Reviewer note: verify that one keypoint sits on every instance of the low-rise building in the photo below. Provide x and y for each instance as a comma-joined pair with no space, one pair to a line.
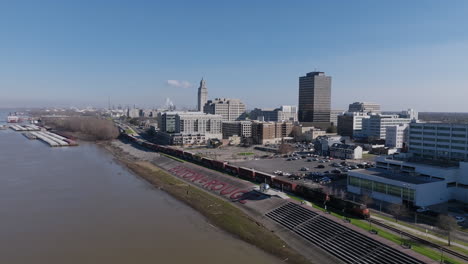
242,129
350,124
312,133
397,136
188,128
229,109
322,144
376,126
334,116
345,151
283,113
134,113
441,141
271,132
412,181
364,107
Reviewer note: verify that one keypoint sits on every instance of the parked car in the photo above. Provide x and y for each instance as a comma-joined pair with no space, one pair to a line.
337,171
460,219
320,166
325,180
422,209
304,169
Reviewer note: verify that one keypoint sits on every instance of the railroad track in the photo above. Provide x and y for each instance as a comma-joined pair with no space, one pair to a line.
340,241
421,240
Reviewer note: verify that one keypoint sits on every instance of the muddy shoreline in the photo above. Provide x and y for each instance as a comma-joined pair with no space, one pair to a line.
219,212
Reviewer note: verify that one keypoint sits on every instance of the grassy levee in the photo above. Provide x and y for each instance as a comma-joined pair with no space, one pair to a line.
218,211
415,246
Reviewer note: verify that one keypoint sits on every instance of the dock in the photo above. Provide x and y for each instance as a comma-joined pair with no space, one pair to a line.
51,139
29,135
35,132
25,127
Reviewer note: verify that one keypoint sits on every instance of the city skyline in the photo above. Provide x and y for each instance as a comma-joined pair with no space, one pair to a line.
82,54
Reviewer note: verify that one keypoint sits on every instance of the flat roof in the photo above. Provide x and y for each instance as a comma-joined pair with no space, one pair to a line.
426,162
396,176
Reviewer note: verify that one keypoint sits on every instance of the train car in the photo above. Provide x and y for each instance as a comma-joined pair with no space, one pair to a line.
179,153
162,149
146,144
284,185
197,158
262,177
218,165
231,169
357,209
246,173
313,194
188,155
207,162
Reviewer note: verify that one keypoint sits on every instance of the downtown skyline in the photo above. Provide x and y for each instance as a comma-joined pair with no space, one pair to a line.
79,54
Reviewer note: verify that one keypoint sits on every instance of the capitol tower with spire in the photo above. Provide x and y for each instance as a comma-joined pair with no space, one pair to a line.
202,95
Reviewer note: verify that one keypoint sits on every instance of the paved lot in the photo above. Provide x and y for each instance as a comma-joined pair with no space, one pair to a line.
230,153
294,167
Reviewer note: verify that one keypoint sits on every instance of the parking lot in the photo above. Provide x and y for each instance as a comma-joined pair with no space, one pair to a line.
307,168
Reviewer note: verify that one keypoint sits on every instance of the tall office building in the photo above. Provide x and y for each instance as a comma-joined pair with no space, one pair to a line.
314,98
202,95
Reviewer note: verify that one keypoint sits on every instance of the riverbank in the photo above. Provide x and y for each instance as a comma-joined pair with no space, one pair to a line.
218,211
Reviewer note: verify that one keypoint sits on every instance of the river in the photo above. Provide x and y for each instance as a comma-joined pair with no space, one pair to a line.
77,205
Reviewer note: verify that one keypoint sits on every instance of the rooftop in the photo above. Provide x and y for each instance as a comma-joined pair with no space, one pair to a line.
396,176
425,162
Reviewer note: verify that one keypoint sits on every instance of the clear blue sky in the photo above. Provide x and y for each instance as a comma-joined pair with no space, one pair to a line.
398,53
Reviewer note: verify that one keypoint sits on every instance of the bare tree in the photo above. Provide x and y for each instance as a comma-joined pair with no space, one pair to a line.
397,210
285,148
367,200
94,128
447,223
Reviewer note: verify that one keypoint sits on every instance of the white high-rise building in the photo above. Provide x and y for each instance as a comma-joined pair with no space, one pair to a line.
202,95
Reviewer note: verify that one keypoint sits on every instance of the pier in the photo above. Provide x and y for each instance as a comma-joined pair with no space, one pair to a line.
35,132
25,127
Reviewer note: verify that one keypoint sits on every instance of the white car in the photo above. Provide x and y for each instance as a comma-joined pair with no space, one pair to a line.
460,219
422,209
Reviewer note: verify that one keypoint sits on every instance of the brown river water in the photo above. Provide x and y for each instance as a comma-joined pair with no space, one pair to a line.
77,205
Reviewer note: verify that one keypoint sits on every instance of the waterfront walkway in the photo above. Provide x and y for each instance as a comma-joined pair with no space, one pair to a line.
417,232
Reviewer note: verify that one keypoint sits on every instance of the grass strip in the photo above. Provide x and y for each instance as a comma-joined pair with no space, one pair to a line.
220,212
172,157
415,246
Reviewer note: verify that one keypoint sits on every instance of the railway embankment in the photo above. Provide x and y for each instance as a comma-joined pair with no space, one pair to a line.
222,213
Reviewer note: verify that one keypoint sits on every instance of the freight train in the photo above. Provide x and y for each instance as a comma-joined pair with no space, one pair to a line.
313,194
